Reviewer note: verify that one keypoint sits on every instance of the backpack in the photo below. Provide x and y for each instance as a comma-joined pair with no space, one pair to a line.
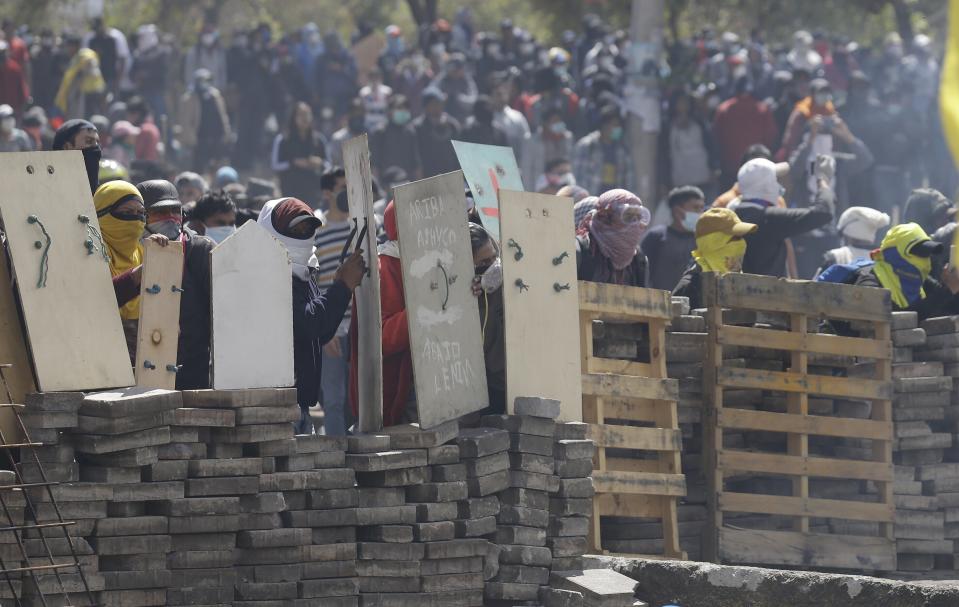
843,273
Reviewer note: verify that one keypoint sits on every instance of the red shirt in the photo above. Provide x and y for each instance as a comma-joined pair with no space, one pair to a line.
147,142
18,51
13,85
739,123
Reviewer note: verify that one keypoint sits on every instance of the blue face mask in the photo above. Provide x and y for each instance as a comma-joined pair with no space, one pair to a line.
690,219
558,128
401,117
220,233
616,133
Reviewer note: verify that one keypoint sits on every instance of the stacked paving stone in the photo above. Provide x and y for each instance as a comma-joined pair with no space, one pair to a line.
926,443
523,517
204,498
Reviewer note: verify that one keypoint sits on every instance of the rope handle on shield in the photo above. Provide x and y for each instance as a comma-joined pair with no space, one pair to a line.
90,243
359,240
45,247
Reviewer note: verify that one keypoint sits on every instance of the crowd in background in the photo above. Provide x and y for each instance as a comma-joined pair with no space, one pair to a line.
811,150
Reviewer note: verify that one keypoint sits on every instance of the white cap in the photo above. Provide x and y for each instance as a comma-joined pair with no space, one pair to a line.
757,180
862,223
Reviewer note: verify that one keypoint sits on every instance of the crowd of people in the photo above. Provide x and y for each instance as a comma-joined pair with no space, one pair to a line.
814,157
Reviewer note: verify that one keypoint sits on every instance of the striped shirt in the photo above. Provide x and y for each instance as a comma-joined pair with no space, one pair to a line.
329,244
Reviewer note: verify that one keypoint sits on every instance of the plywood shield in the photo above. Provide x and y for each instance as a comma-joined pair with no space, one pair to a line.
252,311
159,328
359,189
446,338
63,273
541,300
18,377
487,169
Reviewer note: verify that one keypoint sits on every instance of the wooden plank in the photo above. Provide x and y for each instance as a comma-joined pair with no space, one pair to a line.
70,310
628,386
643,483
542,350
882,411
643,410
13,351
632,464
795,465
369,316
446,338
867,389
158,331
730,335
817,425
617,366
816,299
643,439
712,431
252,304
800,506
638,506
807,550
487,169
605,301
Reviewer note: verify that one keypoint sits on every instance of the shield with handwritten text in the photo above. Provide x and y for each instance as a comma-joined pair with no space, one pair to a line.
488,168
446,339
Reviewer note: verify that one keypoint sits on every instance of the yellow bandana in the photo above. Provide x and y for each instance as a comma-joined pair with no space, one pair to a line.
715,251
122,237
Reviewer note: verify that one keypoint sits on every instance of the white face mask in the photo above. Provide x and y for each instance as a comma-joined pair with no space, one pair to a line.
7,124
690,219
220,233
301,254
492,278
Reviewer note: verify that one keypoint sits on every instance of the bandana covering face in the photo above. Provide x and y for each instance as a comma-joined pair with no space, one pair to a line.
300,251
715,251
897,269
617,240
122,237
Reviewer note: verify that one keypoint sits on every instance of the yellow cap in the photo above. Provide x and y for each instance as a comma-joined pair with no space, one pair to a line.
723,220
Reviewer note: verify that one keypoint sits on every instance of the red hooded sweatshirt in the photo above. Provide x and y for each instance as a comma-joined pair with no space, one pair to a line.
397,360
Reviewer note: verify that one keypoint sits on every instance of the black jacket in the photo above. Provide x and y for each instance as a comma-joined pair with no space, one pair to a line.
316,316
193,348
766,251
592,266
494,349
691,285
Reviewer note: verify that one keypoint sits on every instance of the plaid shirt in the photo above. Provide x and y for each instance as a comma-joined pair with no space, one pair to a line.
588,164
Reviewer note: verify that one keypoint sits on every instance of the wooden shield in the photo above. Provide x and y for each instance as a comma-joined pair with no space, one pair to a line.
252,311
368,319
541,300
446,338
63,273
158,331
488,168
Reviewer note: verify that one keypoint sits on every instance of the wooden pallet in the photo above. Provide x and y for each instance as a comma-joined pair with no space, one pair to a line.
799,303
632,406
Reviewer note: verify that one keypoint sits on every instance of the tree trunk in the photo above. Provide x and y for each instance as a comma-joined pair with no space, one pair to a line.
642,97
903,20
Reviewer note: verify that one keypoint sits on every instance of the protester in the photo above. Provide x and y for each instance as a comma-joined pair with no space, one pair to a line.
164,216
739,123
479,127
191,187
204,129
394,145
434,131
582,208
929,208
12,139
552,141
399,400
488,288
858,227
330,239
558,175
332,183
760,189
602,160
214,216
608,240
667,247
81,135
316,314
686,148
14,88
720,247
299,156
376,97
82,84
122,219
902,265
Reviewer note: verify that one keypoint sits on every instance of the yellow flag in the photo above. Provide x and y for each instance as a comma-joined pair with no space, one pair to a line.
949,97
